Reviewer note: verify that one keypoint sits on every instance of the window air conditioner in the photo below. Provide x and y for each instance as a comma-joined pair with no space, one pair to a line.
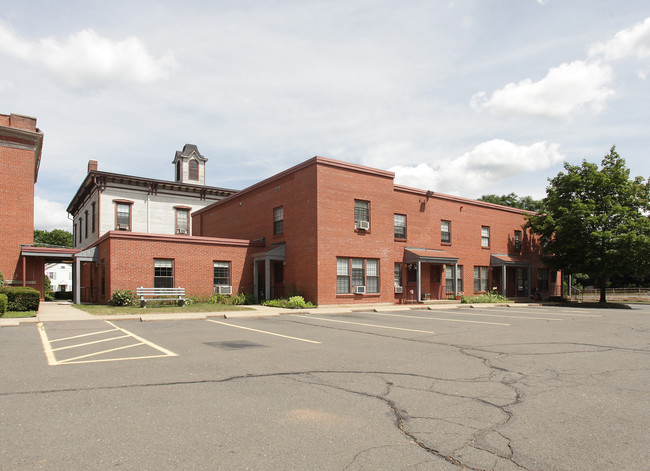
359,290
123,227
363,225
181,231
223,289
398,290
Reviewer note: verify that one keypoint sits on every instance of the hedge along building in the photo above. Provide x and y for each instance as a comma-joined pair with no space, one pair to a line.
111,209
343,233
21,144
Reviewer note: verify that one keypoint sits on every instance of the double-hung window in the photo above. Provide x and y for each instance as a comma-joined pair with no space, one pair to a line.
193,173
480,279
93,206
86,225
400,226
163,273
278,220
398,274
485,236
221,273
361,214
123,216
445,232
517,240
449,278
542,279
182,221
353,272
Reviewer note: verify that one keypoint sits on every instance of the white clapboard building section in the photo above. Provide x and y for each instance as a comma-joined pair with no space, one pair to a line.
60,275
115,202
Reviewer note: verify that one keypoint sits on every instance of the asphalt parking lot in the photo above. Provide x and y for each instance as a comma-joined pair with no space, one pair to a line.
493,388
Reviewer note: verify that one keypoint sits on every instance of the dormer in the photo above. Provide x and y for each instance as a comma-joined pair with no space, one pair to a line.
189,165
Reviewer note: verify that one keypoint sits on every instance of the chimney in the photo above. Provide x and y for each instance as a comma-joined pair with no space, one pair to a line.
92,166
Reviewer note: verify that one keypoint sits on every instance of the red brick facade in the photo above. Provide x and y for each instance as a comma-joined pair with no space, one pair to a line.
318,201
20,151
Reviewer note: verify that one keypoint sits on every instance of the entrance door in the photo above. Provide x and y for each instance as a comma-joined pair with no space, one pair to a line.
277,284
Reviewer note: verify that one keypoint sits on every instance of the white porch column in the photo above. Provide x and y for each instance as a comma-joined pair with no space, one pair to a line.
455,280
77,280
419,279
503,280
256,283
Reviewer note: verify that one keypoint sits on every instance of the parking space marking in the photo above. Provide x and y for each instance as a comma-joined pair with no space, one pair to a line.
263,331
438,319
370,325
51,357
507,316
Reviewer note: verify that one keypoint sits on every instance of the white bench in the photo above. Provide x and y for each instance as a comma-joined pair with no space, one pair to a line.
161,294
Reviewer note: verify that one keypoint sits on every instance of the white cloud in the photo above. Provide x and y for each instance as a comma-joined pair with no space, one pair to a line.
631,42
50,215
480,169
566,90
87,60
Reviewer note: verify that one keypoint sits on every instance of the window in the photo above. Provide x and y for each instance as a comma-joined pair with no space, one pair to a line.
517,240
542,279
278,220
400,226
445,232
221,273
123,216
86,225
51,275
352,272
450,278
163,273
398,274
480,279
193,170
80,227
361,214
485,236
92,205
182,221
178,171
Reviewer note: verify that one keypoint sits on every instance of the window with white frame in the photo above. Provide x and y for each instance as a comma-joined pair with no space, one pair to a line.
485,236
480,279
445,232
459,278
51,275
182,221
361,214
221,273
163,273
353,272
449,278
123,216
398,274
400,226
278,220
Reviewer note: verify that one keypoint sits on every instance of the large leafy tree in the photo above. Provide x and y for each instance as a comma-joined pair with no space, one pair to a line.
596,221
56,237
514,201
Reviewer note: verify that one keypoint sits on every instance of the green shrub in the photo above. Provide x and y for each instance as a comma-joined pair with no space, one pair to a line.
21,298
294,302
236,299
489,297
123,297
3,304
48,296
2,279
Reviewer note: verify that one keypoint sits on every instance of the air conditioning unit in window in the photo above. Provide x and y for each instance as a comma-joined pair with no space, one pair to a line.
123,227
181,231
363,225
223,289
359,290
399,290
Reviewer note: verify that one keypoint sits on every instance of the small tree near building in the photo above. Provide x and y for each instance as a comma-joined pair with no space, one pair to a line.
596,221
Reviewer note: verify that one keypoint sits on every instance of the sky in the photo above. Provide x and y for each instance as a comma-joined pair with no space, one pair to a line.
464,97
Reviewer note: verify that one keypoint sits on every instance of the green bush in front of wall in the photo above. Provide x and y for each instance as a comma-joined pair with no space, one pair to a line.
21,298
123,297
3,304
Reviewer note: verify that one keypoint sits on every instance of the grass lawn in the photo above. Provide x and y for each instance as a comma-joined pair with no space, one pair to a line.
107,310
17,314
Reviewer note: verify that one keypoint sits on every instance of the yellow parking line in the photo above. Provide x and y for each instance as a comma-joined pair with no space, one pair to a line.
151,344
82,335
89,343
439,319
262,331
47,348
508,317
371,325
71,360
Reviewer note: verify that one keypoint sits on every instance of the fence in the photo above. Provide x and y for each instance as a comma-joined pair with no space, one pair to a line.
613,294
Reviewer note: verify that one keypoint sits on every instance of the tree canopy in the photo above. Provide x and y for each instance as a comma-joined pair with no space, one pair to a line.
514,201
596,221
56,237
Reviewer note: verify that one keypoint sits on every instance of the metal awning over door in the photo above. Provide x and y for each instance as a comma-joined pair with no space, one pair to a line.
418,256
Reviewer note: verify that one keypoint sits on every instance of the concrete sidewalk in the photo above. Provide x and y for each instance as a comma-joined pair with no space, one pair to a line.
64,311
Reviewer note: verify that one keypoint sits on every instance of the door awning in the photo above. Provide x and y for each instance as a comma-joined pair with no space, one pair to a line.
276,253
501,260
415,255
